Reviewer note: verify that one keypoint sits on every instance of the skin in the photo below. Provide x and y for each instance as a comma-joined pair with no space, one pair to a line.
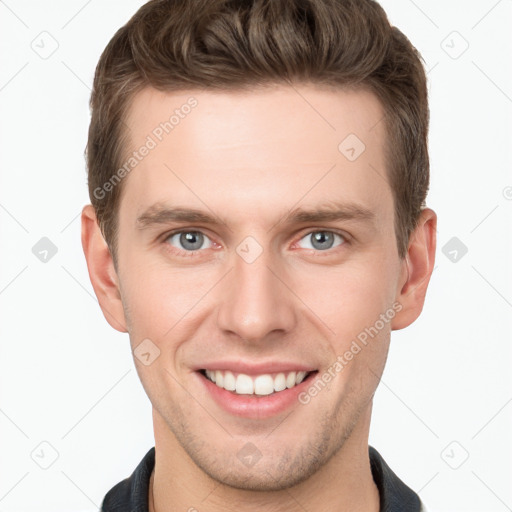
250,159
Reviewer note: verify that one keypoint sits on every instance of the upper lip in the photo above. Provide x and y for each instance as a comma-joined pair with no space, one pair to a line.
251,368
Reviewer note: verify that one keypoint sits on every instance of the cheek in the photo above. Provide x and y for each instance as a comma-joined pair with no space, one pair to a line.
349,298
158,296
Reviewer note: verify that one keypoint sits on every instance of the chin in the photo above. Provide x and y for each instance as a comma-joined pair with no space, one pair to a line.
281,463
264,477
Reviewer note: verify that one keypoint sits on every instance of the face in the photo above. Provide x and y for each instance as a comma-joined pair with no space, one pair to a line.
256,248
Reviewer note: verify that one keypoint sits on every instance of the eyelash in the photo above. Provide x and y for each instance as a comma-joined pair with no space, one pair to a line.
197,253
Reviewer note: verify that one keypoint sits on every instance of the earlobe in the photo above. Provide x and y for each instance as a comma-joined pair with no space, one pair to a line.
102,273
418,265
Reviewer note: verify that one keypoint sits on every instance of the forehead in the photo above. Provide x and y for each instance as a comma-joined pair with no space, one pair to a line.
260,152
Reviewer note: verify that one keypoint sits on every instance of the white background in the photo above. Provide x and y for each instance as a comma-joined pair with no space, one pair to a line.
68,379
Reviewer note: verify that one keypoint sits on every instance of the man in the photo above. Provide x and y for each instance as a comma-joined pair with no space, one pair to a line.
258,173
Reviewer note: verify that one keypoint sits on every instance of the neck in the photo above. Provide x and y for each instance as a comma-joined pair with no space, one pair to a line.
344,483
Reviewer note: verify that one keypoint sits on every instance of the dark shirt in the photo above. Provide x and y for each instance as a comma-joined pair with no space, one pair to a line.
131,495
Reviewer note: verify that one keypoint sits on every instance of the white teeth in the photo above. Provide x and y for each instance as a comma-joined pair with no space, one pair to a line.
219,379
229,381
290,380
280,382
244,385
300,377
265,384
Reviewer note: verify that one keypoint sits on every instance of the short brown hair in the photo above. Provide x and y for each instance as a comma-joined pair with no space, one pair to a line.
227,45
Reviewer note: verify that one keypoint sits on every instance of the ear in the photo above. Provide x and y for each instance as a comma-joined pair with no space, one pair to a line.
417,268
101,270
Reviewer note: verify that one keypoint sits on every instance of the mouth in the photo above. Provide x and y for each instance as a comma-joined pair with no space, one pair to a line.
256,385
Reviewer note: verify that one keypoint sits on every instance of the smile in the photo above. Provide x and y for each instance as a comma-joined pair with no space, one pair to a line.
264,384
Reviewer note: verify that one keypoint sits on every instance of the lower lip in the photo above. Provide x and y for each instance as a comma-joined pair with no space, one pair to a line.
255,406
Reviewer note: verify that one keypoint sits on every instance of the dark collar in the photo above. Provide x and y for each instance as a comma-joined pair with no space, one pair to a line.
131,495
395,496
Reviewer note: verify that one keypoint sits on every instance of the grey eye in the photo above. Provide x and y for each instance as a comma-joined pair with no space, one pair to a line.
189,240
321,240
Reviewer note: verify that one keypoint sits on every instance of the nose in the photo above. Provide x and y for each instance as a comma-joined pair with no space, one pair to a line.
256,303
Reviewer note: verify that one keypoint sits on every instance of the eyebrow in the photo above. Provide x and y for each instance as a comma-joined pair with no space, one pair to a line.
159,213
